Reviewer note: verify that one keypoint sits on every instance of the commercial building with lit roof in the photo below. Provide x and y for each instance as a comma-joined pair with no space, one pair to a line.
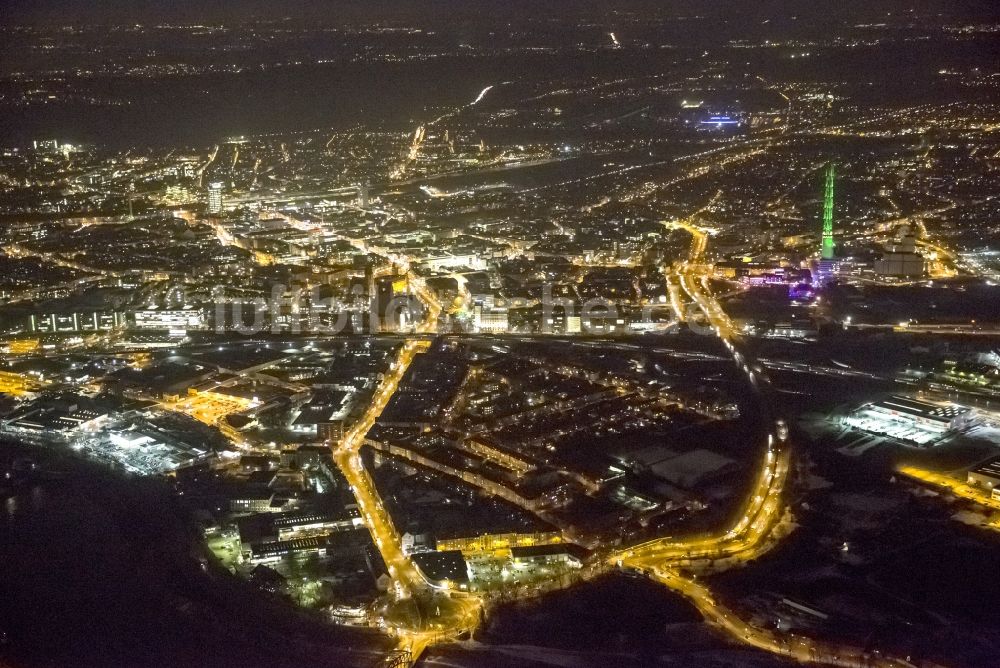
935,417
913,420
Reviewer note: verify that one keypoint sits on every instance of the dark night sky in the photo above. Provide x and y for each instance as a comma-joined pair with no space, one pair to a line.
28,11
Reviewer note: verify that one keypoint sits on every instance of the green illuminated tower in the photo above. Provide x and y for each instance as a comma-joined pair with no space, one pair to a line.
828,244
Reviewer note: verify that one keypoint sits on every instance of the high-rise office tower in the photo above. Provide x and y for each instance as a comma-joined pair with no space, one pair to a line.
215,197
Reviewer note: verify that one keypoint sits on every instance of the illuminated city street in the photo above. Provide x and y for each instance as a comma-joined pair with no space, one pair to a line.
476,335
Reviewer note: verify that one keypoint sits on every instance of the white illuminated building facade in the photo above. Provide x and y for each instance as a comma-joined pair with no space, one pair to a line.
180,320
492,320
